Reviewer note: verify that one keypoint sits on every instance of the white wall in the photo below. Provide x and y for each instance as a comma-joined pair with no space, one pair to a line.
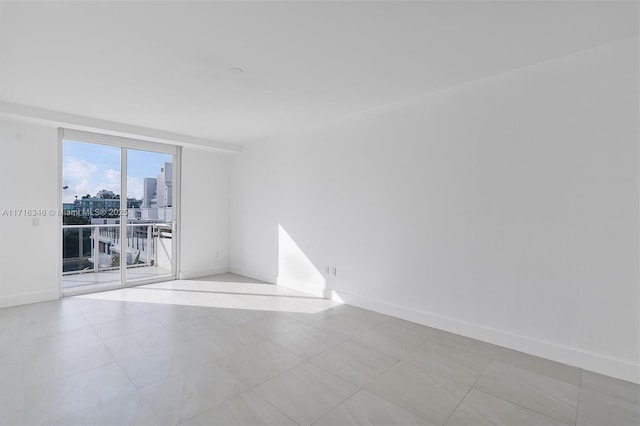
205,213
505,209
28,180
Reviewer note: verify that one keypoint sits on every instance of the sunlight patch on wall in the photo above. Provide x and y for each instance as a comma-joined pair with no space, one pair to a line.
295,269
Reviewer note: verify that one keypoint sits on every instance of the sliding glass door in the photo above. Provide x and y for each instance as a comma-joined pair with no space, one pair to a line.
149,234
91,201
119,211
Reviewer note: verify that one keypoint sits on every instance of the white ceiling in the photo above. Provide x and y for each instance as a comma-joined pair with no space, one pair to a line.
165,65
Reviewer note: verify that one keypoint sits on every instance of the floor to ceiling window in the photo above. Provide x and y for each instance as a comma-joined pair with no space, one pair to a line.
119,211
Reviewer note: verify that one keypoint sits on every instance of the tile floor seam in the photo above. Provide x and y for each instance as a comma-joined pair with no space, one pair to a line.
345,379
91,325
341,342
115,397
383,372
575,421
420,345
318,354
117,362
405,409
521,406
279,410
633,408
408,411
328,372
50,381
137,390
69,389
164,326
115,359
398,360
562,382
179,422
443,375
495,354
352,339
411,352
433,336
486,391
403,359
236,396
151,408
334,408
541,391
456,407
465,395
52,409
251,387
358,389
348,399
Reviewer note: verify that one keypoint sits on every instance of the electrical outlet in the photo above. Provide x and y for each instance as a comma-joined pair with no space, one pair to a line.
326,270
334,271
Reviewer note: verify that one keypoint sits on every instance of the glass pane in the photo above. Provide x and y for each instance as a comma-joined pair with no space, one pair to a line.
149,215
91,214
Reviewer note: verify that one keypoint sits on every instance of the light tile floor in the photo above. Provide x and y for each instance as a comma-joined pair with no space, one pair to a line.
234,351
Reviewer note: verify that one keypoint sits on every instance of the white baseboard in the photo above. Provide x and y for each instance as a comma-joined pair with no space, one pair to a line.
252,274
188,275
619,369
25,298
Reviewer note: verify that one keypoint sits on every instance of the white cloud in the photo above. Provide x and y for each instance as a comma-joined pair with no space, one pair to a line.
112,181
79,176
134,188
83,177
78,169
112,176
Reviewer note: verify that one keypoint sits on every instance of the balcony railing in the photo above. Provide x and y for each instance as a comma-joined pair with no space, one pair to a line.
97,248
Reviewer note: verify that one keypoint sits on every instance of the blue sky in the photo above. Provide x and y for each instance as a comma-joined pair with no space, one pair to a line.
88,168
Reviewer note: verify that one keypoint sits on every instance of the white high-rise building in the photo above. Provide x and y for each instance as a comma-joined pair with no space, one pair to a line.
164,186
157,192
149,192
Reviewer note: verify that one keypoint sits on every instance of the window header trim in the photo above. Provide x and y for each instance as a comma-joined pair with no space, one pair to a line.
119,141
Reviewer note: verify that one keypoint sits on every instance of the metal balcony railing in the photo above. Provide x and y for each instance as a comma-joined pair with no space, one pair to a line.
96,248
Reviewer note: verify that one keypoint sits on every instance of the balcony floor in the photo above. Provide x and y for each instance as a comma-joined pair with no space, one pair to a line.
105,277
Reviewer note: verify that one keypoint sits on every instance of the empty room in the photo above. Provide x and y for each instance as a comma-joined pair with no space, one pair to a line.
320,213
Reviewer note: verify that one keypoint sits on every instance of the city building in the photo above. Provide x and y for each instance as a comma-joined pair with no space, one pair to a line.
98,207
158,191
157,198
